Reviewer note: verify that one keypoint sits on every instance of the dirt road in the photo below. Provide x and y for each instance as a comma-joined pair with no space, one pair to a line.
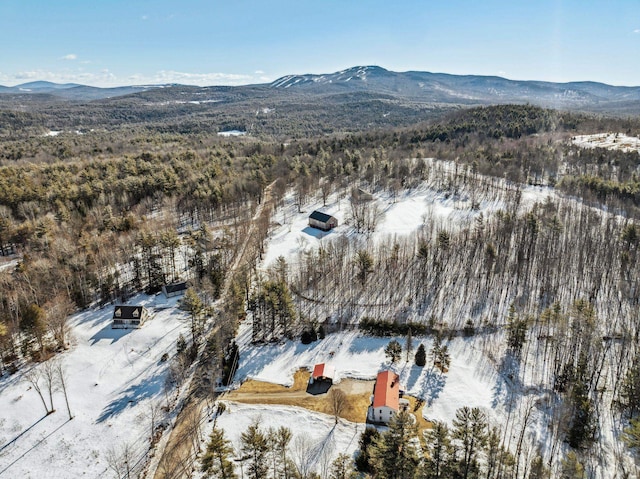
174,454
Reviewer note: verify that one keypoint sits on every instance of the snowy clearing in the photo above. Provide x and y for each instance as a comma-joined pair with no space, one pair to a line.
610,141
113,377
471,381
402,215
232,133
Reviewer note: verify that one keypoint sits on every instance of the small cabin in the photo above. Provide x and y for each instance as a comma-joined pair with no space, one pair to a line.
322,221
174,289
386,402
129,317
323,372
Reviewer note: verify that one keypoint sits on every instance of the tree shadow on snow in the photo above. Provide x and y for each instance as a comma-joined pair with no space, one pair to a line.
432,385
93,318
508,382
414,375
109,333
255,359
132,395
368,344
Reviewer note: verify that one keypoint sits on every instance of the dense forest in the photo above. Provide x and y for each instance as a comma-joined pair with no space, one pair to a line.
93,217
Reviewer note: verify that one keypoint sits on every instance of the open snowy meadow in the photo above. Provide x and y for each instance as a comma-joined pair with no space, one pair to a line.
113,378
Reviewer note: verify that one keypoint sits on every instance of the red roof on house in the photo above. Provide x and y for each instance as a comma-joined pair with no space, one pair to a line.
387,390
323,370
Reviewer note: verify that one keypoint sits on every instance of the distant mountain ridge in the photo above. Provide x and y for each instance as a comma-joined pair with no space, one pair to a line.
411,87
442,87
72,91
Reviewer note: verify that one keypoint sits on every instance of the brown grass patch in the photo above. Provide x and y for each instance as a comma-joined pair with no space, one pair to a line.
415,408
258,392
300,379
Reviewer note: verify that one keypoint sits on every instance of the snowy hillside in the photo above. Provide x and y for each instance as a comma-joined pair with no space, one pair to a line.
516,392
113,378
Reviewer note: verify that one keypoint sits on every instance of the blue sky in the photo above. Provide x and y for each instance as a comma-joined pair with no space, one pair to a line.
209,42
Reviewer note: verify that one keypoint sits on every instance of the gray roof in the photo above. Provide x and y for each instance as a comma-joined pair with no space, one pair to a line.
320,216
127,312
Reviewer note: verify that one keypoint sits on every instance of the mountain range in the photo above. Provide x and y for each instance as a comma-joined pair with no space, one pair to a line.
423,87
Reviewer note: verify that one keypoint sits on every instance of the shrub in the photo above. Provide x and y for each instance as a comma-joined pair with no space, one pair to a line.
308,336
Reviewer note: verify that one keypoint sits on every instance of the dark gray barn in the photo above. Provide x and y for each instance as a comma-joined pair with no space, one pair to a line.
322,221
174,289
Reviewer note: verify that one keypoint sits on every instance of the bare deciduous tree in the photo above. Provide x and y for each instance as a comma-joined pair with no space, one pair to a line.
120,460
61,374
338,401
33,376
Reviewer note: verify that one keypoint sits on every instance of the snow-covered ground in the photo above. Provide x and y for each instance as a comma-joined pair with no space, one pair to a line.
316,439
232,133
113,377
479,376
469,382
403,214
611,141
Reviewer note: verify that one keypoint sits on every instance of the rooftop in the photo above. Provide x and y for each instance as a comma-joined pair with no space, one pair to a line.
387,390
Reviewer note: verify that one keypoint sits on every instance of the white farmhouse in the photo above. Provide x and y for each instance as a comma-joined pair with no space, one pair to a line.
385,402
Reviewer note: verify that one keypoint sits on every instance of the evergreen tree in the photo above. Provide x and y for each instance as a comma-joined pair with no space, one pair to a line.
254,445
438,442
393,351
217,462
631,435
34,323
394,454
630,391
282,440
571,467
181,344
537,469
366,443
192,303
470,432
582,426
421,356
516,331
364,263
342,467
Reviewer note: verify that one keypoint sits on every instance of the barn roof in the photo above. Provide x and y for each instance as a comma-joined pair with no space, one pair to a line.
387,390
323,370
320,216
175,287
127,312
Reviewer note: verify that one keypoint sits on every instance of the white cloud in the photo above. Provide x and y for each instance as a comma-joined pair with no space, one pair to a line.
259,72
201,79
106,78
145,17
637,30
70,56
27,75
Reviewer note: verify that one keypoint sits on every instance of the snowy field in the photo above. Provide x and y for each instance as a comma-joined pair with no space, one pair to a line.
470,381
113,377
316,440
611,141
402,215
